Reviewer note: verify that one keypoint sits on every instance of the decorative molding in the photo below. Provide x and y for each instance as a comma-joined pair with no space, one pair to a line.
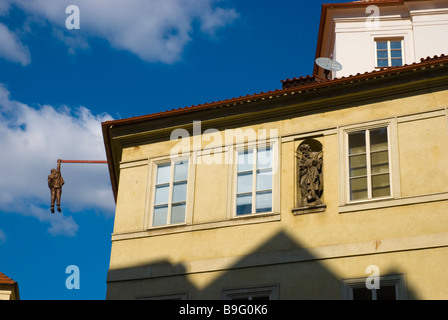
5,294
134,163
334,130
421,116
388,203
311,134
370,247
307,210
172,229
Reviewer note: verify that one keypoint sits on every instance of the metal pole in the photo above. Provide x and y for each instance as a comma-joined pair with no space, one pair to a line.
83,161
55,181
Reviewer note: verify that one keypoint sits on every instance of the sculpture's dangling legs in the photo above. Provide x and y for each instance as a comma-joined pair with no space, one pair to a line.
53,197
58,198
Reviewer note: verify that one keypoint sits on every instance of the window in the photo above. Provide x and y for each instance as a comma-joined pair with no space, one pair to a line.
368,164
254,181
260,293
391,287
386,292
389,53
170,193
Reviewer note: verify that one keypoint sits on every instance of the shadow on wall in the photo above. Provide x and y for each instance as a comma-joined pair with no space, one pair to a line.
278,269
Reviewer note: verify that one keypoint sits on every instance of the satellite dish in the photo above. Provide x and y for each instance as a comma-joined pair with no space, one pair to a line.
328,64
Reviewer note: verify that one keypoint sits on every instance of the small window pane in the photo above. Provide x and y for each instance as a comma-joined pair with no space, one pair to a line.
395,44
395,54
244,204
160,216
383,63
179,192
264,158
357,142
358,188
162,194
362,294
244,182
397,62
181,170
380,162
386,293
378,139
163,173
358,165
264,179
382,54
245,160
381,45
380,185
264,201
178,213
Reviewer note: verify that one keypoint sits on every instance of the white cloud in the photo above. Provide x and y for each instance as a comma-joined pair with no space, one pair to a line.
154,30
215,19
73,43
4,7
11,48
32,141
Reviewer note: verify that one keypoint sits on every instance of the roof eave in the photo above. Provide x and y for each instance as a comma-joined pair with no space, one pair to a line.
106,126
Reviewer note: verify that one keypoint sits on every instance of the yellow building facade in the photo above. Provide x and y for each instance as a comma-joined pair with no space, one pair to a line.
218,201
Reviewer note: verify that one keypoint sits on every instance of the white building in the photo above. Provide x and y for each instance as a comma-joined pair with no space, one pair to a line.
364,36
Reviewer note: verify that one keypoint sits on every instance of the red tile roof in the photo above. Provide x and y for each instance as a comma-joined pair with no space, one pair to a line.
6,280
302,81
290,86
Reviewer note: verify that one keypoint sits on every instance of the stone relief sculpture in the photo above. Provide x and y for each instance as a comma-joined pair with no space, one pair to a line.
310,178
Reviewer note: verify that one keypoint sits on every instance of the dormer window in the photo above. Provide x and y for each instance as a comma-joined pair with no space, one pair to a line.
389,52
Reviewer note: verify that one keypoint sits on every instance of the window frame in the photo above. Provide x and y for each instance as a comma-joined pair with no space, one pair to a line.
369,174
153,164
344,174
398,280
389,50
275,205
232,294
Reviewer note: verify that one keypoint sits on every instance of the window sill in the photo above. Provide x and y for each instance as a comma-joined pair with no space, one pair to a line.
379,68
372,200
168,226
253,215
391,202
308,210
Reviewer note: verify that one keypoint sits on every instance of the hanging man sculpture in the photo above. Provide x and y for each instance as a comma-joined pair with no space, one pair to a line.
55,183
310,176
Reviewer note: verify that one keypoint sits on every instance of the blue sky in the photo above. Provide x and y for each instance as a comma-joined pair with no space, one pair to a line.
128,58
